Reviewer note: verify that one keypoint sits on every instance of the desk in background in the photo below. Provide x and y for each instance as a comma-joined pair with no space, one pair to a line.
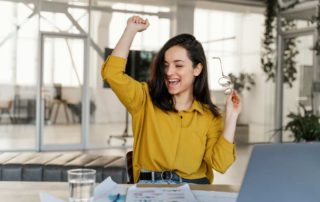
56,103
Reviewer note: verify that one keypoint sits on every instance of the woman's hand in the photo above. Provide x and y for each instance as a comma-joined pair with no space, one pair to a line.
137,24
233,104
233,109
134,24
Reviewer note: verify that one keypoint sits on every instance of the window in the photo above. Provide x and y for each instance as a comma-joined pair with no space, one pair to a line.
17,44
229,35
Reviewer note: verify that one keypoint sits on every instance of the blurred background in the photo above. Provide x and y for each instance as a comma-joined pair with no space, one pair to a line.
52,97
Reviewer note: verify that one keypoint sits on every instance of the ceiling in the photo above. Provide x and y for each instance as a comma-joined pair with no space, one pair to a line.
242,2
236,2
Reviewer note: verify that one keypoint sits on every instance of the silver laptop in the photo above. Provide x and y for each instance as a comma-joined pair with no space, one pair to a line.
282,173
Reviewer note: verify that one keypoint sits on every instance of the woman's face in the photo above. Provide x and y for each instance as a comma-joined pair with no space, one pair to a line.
179,71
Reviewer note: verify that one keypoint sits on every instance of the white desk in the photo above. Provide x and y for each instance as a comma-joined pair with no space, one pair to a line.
29,191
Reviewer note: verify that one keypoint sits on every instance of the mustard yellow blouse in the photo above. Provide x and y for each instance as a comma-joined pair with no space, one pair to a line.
187,142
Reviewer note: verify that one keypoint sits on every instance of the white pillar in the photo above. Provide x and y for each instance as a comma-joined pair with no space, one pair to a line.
184,17
279,84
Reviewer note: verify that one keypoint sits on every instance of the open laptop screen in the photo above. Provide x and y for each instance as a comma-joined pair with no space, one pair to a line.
282,173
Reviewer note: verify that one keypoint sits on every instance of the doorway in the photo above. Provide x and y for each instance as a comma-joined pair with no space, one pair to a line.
62,65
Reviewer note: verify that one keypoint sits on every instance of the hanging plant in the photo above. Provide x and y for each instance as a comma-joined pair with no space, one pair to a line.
268,52
268,58
316,20
289,54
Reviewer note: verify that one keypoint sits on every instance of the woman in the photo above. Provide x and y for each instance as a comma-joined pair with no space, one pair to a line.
178,133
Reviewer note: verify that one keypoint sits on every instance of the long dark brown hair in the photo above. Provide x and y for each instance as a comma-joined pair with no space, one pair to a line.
158,89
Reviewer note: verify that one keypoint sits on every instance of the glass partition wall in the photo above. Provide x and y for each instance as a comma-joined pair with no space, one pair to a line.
18,83
44,88
52,96
301,37
301,92
62,67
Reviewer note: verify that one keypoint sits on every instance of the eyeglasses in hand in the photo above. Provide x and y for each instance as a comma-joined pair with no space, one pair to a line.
224,80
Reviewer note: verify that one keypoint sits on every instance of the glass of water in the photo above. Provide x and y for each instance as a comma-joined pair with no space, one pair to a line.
81,184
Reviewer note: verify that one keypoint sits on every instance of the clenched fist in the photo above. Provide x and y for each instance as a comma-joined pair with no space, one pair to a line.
137,24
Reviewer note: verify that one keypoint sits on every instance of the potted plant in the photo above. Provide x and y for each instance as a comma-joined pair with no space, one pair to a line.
242,82
304,125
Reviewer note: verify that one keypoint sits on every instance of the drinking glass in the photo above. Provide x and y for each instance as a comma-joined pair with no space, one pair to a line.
81,184
224,80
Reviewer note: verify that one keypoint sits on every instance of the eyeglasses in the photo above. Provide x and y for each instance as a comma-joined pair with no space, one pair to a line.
224,80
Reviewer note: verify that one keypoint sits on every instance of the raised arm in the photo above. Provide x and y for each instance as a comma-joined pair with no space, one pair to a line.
130,92
134,24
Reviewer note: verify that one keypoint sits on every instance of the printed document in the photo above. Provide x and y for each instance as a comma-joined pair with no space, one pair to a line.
160,194
209,196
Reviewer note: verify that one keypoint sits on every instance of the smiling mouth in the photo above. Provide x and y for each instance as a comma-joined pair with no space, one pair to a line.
173,81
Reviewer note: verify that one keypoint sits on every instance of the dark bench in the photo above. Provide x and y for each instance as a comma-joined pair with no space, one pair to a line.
53,166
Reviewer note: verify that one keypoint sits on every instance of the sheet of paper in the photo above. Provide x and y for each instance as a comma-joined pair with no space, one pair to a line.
106,191
109,191
165,194
209,196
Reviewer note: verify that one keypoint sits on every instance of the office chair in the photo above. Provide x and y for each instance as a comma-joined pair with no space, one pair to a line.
129,166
